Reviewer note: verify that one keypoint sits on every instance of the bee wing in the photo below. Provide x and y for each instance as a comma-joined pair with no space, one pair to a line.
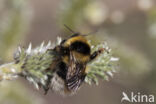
74,74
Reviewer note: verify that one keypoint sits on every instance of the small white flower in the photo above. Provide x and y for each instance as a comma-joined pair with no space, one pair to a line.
110,73
19,49
28,51
59,40
48,45
41,47
13,70
36,85
114,59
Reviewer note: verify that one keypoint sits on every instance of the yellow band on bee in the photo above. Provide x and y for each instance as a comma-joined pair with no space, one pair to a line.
73,39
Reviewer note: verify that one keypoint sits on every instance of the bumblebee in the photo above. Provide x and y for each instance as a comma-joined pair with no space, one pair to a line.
70,66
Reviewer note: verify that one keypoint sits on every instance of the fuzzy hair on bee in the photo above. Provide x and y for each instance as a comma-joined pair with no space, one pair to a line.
70,68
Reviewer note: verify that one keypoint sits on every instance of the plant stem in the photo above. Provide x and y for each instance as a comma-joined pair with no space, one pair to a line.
9,71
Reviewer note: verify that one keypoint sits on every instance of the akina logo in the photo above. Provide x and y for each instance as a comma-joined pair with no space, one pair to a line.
137,97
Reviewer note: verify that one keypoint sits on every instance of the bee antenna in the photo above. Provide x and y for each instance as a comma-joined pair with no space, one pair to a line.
91,33
69,28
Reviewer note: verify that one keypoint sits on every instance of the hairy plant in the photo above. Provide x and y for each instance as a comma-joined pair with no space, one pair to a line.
32,64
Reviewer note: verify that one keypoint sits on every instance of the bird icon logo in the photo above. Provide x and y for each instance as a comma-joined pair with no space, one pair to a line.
125,97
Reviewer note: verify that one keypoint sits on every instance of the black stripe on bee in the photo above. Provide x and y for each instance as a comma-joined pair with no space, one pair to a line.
62,72
80,47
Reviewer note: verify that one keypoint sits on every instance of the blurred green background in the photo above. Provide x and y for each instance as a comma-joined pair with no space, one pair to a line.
128,26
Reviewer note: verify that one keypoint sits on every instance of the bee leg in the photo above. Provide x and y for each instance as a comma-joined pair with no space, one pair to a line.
46,89
96,53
